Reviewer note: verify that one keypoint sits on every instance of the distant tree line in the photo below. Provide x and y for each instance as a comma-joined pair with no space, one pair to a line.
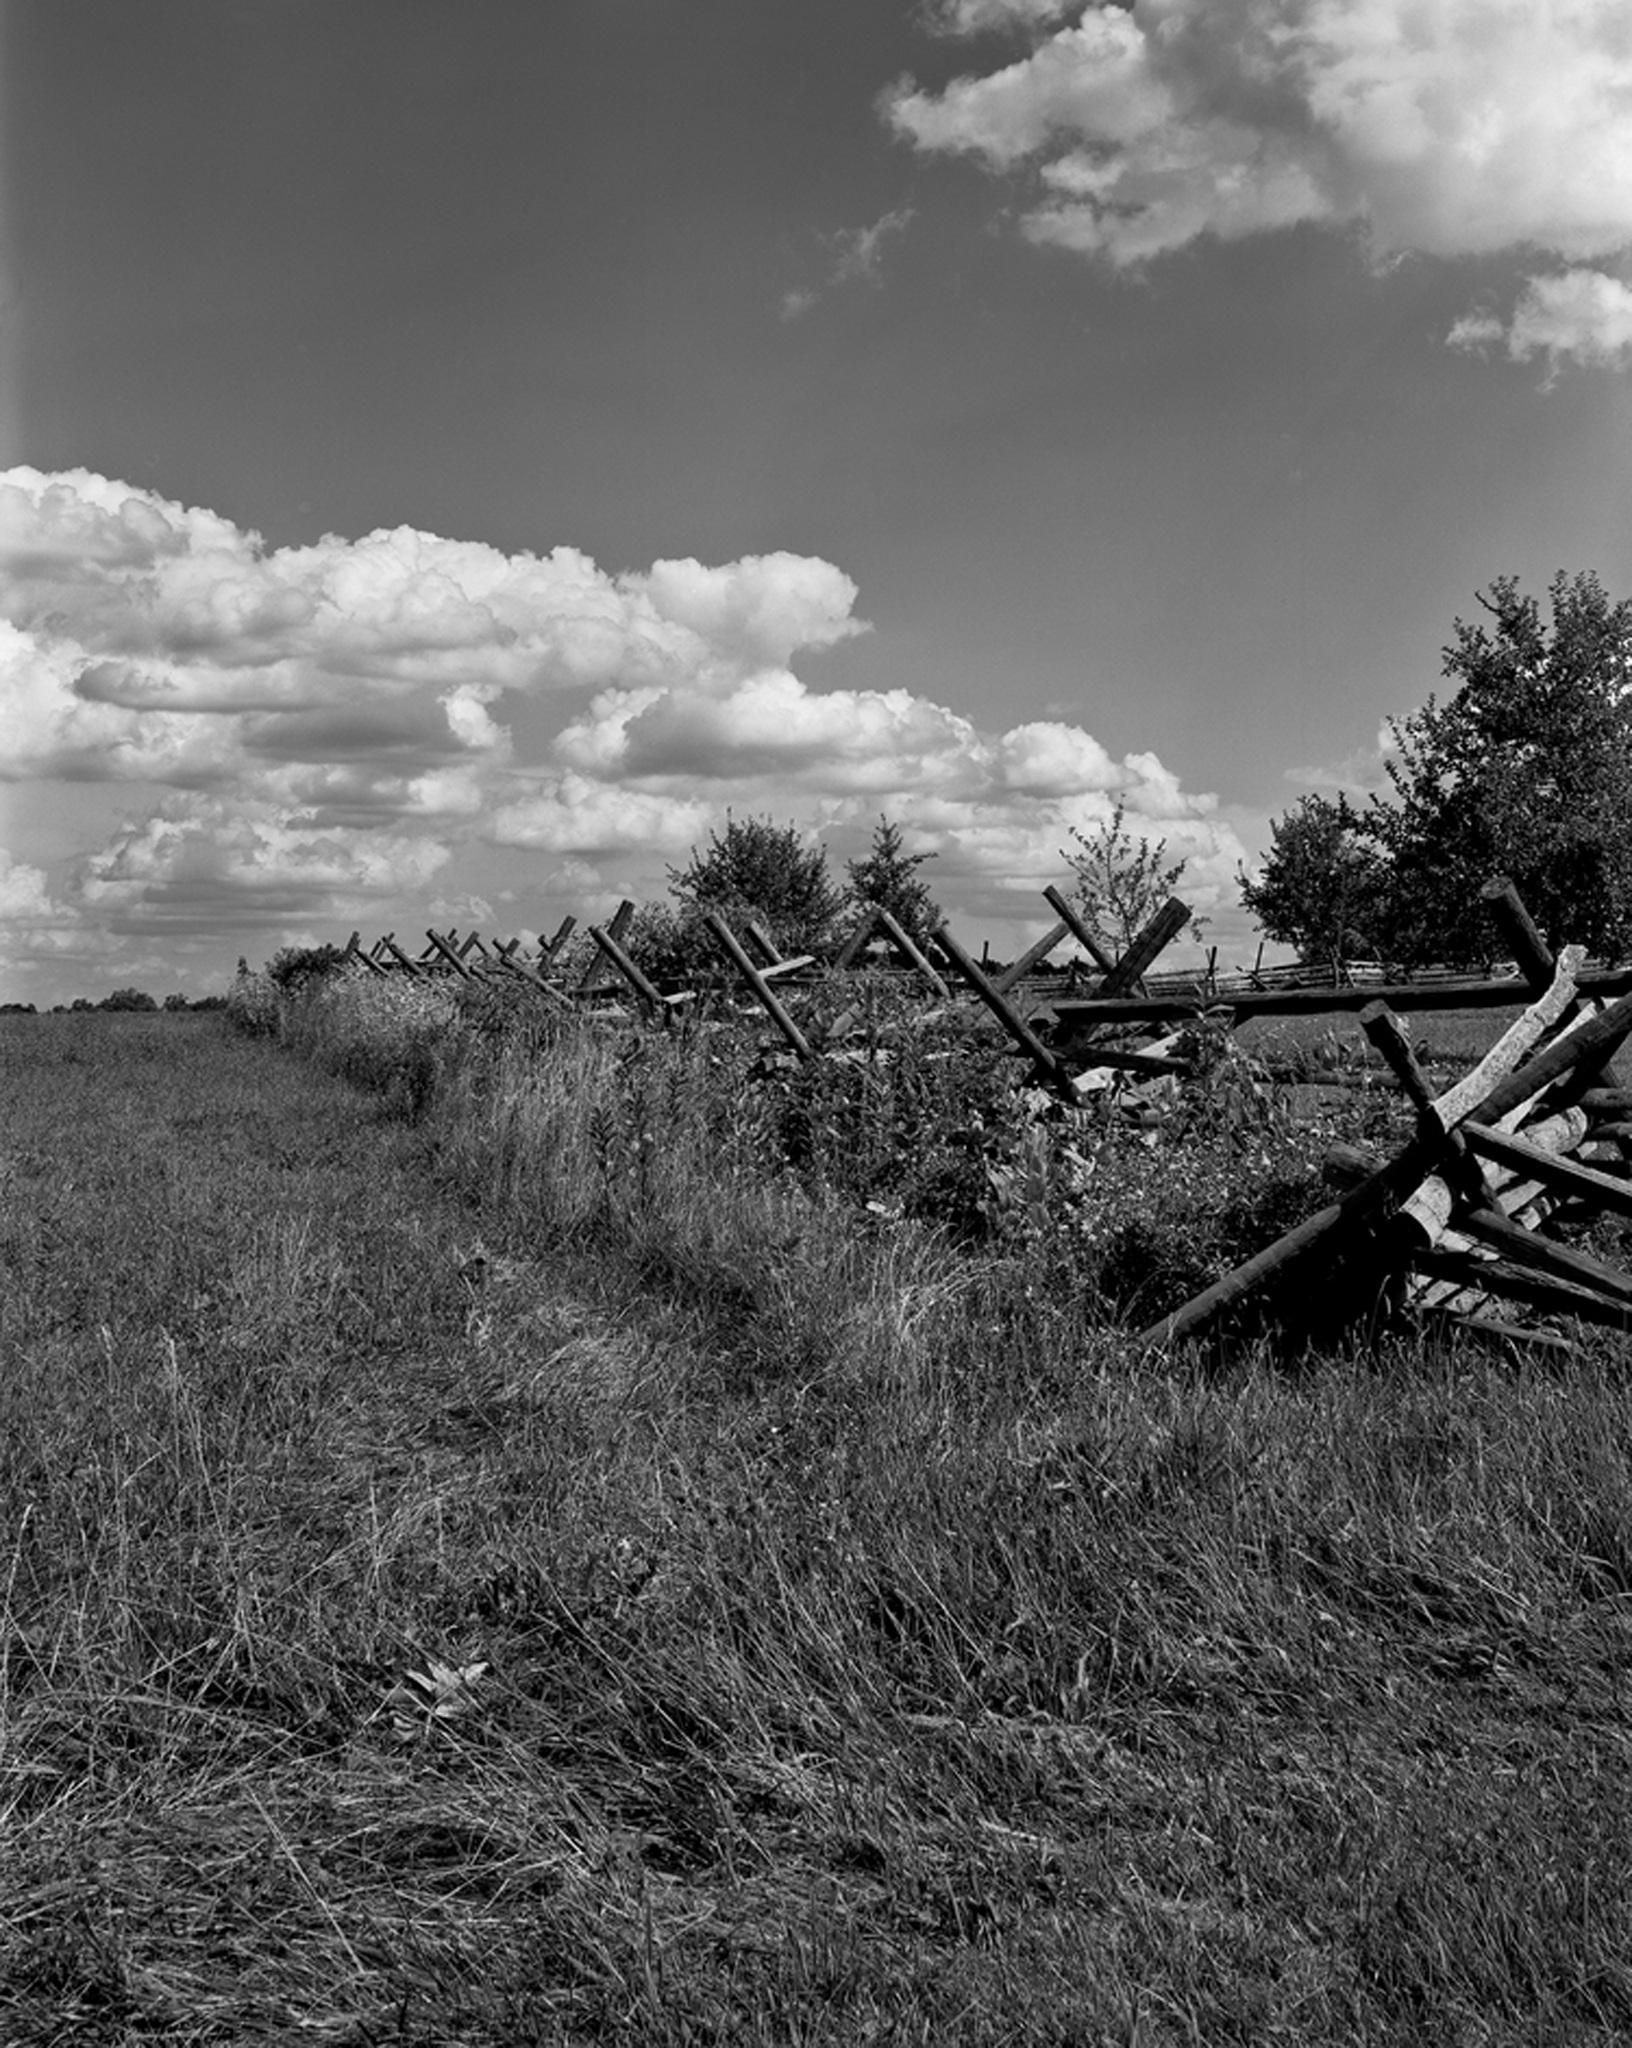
1524,770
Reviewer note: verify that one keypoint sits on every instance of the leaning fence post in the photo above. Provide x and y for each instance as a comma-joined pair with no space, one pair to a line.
1532,952
447,952
1048,1064
1162,929
615,927
905,945
1067,913
1032,957
757,982
603,938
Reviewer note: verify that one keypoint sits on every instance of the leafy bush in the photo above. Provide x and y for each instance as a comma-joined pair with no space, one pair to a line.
767,872
295,967
252,1002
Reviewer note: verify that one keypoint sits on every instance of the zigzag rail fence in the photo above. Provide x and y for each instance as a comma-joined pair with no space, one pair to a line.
1476,1214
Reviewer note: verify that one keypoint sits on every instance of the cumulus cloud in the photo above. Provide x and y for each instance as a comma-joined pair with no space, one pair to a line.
25,896
318,736
1450,127
141,640
1581,316
193,860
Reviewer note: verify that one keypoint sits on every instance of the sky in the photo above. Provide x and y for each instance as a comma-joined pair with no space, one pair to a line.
455,454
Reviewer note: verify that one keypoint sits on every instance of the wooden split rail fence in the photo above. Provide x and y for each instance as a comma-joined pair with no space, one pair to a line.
1472,1215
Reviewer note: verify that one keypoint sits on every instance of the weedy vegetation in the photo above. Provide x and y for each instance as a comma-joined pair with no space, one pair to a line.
516,1533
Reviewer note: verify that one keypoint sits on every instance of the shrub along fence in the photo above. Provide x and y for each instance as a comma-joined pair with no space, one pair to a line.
1475,1213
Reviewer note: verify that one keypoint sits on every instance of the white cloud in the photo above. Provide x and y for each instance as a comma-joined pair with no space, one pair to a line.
25,896
201,864
974,17
1581,316
1451,127
337,727
140,640
859,252
572,814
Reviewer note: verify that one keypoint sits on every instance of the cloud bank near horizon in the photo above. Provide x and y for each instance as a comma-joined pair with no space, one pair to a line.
1440,128
301,736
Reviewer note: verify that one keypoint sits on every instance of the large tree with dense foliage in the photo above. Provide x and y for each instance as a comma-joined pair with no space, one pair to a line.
1323,885
1525,770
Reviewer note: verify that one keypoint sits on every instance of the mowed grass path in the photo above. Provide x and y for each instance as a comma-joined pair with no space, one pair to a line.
957,1685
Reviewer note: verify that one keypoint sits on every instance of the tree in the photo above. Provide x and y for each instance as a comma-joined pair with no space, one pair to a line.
1323,886
888,879
756,869
128,999
1526,770
1119,880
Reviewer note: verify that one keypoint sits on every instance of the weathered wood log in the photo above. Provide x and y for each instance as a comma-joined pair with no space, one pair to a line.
763,992
1428,1209
1030,958
608,946
1524,1248
450,954
1607,1102
614,928
1346,1166
1048,1065
1534,956
1324,1231
550,952
856,944
1084,1012
509,964
1512,1282
1157,935
1591,1039
389,942
762,942
909,950
1067,913
1522,1154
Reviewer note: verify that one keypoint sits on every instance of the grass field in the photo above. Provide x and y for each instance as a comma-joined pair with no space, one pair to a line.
824,1634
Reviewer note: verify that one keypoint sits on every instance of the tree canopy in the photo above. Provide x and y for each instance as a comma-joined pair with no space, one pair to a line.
1525,770
1323,886
887,878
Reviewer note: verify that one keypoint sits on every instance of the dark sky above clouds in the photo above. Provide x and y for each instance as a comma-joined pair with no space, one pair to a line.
458,451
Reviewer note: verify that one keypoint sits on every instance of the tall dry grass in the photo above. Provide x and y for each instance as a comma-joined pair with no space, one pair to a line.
512,1561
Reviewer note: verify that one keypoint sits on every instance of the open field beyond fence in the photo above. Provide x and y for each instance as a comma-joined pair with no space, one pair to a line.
509,1549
